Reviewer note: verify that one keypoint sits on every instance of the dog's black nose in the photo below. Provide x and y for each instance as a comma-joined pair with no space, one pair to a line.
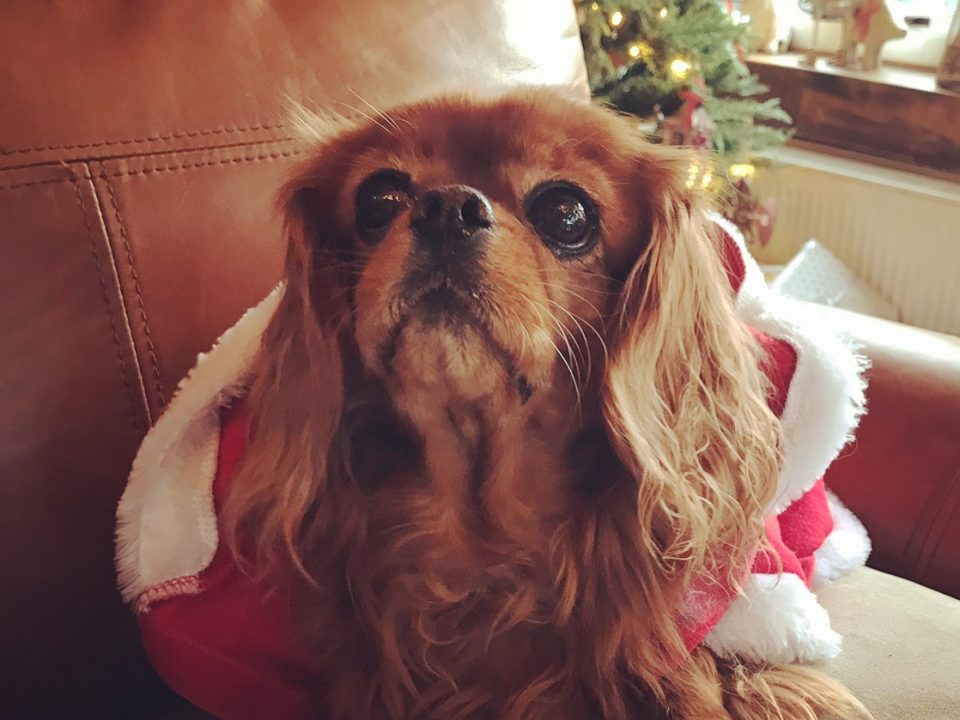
450,212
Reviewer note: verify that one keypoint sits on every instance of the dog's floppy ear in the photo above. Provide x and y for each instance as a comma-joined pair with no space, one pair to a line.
684,396
296,394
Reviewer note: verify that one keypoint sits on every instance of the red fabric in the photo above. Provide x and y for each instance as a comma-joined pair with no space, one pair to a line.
799,530
232,648
733,261
804,526
795,534
779,364
793,537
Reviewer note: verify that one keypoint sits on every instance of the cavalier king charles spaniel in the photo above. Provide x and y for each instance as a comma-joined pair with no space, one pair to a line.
505,418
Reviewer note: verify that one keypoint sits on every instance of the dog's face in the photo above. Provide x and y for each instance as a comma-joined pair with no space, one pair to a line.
485,244
523,278
505,409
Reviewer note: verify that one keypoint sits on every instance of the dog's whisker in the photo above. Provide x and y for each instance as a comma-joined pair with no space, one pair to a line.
387,118
578,322
369,117
540,309
565,334
600,338
583,334
575,358
566,290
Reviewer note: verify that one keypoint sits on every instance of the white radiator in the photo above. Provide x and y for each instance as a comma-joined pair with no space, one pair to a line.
898,232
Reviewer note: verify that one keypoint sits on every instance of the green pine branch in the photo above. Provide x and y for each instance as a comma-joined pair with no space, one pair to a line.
699,32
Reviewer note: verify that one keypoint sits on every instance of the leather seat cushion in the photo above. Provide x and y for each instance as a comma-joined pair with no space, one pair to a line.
901,646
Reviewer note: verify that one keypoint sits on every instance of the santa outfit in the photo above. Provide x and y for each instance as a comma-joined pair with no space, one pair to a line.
229,644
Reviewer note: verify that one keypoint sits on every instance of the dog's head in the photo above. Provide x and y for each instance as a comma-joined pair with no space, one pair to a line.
480,250
510,273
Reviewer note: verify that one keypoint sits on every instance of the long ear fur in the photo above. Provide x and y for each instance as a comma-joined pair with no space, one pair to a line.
685,402
296,398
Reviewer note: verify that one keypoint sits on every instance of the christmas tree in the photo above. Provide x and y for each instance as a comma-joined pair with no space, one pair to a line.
679,65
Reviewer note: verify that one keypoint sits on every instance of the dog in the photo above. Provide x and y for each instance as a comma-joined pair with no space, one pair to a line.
505,419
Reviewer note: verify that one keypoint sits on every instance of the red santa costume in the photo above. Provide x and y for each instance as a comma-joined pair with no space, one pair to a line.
230,646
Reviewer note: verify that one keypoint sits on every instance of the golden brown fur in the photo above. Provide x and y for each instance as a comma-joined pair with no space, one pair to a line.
470,552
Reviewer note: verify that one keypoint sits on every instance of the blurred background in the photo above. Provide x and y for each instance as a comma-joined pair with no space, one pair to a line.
141,148
830,132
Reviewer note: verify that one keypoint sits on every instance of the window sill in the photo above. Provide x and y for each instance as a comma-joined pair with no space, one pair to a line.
893,114
903,179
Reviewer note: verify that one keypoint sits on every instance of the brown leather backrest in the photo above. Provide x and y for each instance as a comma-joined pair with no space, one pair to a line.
141,145
901,474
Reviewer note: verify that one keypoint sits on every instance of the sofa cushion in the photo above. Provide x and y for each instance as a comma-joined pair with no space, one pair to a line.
901,646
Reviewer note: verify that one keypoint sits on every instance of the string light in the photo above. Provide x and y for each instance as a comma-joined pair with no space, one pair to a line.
679,68
616,18
595,7
739,171
699,174
663,13
640,49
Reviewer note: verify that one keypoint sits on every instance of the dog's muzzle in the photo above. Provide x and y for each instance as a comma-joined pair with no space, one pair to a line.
450,220
450,226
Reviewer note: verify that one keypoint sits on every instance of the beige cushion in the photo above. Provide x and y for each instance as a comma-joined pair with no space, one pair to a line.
901,646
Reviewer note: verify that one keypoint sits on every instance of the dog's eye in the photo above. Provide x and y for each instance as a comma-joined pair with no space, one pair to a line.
563,217
380,198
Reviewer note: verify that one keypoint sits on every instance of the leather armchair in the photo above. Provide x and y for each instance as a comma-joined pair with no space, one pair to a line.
140,148
902,473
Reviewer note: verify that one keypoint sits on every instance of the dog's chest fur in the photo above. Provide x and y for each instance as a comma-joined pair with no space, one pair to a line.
462,583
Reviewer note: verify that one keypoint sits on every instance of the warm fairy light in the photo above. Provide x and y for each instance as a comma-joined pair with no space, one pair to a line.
699,174
679,67
616,18
595,6
640,50
738,171
663,13
643,50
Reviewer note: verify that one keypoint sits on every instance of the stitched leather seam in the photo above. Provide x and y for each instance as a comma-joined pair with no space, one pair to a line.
127,329
941,521
31,183
911,555
209,163
166,168
134,276
128,391
149,138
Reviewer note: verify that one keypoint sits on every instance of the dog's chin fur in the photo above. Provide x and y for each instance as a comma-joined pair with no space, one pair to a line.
495,510
438,364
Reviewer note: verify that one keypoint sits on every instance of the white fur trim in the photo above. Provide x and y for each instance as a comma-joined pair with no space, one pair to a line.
846,548
776,619
826,395
166,522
